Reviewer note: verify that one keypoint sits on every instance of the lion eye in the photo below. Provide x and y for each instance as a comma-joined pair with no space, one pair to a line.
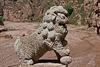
62,17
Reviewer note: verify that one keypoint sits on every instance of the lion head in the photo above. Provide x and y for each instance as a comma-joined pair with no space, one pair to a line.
56,14
54,23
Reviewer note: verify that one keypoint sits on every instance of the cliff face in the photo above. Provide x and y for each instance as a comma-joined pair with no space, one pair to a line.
4,3
33,10
92,8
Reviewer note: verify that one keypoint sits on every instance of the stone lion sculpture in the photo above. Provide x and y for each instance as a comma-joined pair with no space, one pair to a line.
49,36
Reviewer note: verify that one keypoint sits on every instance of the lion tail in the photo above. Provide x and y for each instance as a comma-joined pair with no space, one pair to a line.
17,44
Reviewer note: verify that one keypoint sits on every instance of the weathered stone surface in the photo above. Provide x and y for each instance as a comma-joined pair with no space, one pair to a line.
83,43
49,36
44,65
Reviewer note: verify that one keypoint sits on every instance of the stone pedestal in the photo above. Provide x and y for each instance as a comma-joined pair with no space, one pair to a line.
44,65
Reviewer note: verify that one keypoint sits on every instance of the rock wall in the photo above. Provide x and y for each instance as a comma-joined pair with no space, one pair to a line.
92,9
1,11
30,10
84,11
18,12
3,3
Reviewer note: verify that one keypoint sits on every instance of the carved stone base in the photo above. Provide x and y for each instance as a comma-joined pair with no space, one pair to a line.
44,65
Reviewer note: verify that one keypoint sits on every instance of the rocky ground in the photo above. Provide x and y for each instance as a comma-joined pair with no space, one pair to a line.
83,43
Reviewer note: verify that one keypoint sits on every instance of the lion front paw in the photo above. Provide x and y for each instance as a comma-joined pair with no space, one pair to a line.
66,60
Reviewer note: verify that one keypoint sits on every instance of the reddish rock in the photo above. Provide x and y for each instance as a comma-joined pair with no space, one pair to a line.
84,45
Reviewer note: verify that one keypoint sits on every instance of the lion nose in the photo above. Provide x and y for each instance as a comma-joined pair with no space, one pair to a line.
66,20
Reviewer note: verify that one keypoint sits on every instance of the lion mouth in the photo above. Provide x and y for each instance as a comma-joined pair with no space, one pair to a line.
62,25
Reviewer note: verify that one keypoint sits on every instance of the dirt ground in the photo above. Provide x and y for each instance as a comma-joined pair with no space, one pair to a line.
83,43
